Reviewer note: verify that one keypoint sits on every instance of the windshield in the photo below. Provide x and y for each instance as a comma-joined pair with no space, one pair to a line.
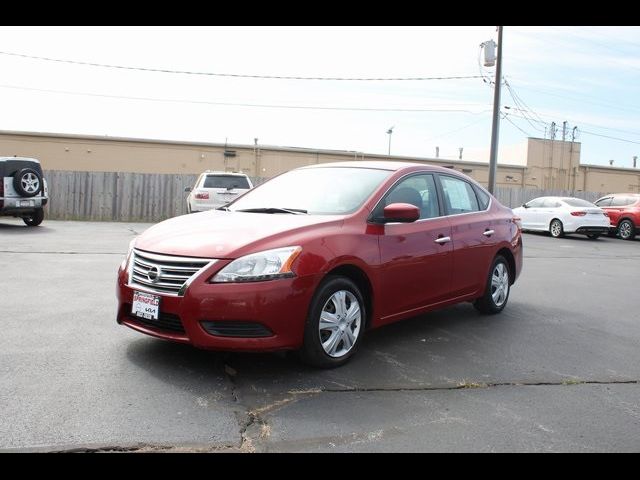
317,191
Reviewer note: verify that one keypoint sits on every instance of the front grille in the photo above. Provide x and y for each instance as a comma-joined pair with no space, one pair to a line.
236,329
165,321
164,274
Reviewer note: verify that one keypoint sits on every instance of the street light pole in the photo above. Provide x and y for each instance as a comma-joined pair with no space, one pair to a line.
389,132
495,127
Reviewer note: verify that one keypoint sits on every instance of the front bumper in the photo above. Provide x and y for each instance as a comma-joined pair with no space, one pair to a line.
275,310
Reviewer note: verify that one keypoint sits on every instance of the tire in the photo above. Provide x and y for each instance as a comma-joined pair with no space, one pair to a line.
626,230
593,236
492,301
556,229
27,182
333,300
35,219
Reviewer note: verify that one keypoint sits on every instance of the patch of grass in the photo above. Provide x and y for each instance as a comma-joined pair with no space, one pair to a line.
572,381
467,384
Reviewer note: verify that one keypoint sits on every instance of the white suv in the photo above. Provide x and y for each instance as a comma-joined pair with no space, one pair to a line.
215,189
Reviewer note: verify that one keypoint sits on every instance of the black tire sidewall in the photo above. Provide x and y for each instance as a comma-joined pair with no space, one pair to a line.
17,184
632,229
485,304
312,351
35,219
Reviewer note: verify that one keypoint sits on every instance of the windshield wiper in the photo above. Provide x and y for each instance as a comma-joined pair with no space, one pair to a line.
294,211
224,207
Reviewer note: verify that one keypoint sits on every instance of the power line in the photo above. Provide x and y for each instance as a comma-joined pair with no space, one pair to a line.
592,133
504,116
237,75
254,105
456,130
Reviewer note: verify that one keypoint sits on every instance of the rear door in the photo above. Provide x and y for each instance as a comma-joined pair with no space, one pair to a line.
473,235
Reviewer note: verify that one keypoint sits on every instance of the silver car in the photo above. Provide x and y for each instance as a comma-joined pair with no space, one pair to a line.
215,189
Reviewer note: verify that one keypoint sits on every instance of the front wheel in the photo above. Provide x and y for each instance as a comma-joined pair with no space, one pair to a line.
626,230
497,289
34,219
556,229
335,323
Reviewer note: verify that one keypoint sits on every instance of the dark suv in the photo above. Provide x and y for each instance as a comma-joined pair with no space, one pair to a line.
23,189
624,213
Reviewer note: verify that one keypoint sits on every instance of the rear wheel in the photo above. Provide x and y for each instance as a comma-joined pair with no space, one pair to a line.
627,230
497,290
334,324
34,219
556,229
593,236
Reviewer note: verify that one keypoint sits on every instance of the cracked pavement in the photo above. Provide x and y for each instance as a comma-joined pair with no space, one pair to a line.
558,370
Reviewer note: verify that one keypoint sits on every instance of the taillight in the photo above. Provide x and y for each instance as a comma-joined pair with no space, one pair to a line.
578,214
202,195
517,221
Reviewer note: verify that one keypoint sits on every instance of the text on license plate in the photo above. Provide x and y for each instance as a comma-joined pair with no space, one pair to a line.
145,305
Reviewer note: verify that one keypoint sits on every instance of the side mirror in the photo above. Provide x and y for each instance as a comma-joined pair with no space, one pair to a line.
524,205
187,189
401,212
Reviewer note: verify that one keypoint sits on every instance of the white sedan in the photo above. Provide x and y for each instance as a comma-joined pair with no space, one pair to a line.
560,215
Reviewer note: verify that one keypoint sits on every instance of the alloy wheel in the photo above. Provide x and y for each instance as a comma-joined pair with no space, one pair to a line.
500,284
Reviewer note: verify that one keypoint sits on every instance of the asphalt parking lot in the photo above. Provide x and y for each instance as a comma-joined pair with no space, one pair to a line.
558,370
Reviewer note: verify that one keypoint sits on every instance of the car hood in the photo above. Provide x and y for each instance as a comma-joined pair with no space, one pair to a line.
222,234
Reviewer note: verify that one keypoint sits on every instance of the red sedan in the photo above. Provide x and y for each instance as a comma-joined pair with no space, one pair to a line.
314,257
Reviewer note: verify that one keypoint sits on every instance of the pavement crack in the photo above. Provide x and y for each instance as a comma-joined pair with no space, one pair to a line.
478,385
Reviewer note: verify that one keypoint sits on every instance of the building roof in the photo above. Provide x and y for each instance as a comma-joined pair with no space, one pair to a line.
352,153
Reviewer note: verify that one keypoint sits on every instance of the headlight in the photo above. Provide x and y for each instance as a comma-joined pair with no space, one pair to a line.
125,262
267,265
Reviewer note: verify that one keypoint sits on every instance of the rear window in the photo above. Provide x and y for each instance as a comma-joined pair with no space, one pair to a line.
577,202
225,181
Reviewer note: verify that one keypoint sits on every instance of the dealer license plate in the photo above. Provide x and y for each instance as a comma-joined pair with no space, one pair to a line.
145,305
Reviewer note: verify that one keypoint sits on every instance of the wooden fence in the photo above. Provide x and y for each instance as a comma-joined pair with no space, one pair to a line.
151,197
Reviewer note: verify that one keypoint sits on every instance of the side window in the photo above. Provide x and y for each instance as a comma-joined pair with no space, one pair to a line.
550,203
459,196
621,201
535,203
604,202
483,197
418,190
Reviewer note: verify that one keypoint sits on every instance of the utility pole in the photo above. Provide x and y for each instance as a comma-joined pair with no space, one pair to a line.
573,169
553,137
495,126
561,169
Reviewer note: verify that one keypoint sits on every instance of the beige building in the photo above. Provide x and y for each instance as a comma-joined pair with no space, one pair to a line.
548,164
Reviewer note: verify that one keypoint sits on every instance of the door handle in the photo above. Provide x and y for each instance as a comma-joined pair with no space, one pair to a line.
488,233
442,240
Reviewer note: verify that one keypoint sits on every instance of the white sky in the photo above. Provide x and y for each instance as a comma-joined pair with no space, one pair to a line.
585,75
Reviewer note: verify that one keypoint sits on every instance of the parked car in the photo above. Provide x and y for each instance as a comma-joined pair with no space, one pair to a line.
23,189
215,189
624,213
561,215
314,257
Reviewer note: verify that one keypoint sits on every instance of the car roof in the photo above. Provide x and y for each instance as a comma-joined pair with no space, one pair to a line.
381,165
230,174
4,159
